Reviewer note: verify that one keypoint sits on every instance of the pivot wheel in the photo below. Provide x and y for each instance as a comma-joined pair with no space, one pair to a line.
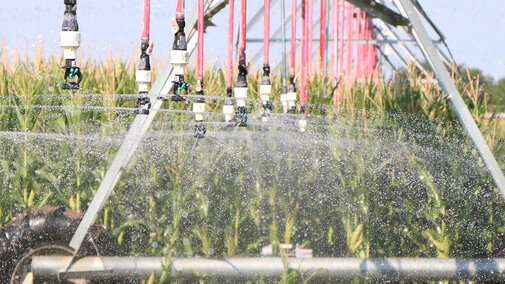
46,231
22,272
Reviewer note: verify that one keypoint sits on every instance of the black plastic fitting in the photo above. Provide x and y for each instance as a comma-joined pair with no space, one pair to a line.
144,62
292,86
229,92
266,75
180,42
242,75
69,17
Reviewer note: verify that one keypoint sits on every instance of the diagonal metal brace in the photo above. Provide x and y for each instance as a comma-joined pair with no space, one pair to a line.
432,55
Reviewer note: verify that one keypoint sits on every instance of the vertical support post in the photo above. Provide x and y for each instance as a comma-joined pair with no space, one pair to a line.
431,54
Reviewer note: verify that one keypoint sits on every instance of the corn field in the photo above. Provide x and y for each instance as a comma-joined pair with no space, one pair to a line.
385,171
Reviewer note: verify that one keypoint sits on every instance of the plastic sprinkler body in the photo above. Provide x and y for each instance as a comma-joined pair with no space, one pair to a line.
241,92
265,92
179,58
144,77
228,107
199,110
70,41
291,95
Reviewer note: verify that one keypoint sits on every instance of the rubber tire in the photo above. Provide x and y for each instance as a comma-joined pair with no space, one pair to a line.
48,226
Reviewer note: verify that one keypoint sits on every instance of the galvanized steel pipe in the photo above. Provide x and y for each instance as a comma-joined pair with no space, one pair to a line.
273,267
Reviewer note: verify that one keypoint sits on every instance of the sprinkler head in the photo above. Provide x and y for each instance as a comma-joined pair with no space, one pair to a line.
241,117
71,72
143,104
200,130
178,86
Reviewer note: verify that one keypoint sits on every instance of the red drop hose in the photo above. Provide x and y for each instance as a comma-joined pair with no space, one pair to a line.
179,12
349,20
199,67
303,61
146,21
322,34
229,61
243,30
310,31
359,29
266,34
293,39
342,22
336,15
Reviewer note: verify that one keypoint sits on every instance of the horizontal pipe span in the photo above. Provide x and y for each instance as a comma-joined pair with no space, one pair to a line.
273,267
363,41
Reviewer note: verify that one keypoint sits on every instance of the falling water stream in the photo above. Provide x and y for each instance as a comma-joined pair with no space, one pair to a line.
387,185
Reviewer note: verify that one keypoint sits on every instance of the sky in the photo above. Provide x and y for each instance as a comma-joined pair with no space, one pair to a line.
474,29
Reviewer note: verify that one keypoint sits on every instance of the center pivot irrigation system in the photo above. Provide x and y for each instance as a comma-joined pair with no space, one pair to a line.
356,38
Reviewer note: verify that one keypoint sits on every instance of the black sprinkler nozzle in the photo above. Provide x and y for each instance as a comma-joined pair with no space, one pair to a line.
71,72
179,85
241,117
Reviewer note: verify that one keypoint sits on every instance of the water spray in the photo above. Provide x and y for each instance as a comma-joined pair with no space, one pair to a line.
199,105
228,108
144,75
242,89
179,54
70,41
266,84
